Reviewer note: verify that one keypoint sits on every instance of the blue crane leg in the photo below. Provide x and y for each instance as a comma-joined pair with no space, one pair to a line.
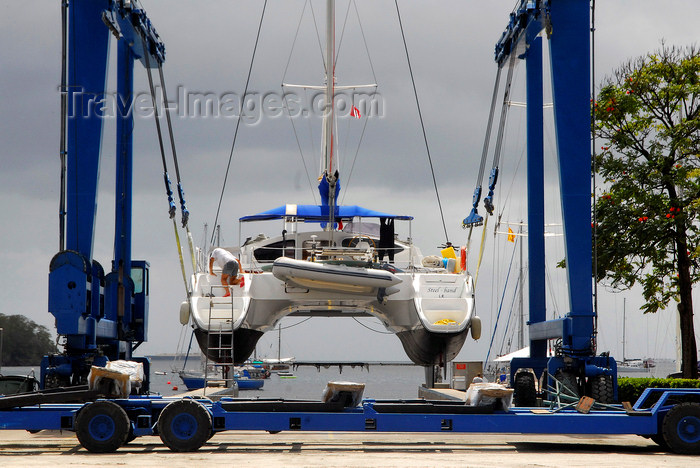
570,56
535,190
86,80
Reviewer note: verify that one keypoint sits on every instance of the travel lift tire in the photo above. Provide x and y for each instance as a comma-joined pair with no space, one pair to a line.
524,392
102,427
569,383
602,389
184,426
681,428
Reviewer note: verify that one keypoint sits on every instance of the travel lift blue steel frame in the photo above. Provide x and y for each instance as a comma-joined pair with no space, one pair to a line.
567,25
186,424
103,317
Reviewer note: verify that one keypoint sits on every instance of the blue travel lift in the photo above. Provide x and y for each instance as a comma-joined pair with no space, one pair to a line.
105,316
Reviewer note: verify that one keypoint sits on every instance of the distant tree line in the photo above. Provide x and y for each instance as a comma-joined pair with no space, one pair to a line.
24,342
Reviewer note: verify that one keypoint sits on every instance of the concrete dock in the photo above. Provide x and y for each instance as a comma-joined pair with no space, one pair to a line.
323,449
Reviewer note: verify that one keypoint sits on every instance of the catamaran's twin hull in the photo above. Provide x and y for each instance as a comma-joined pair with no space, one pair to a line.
431,313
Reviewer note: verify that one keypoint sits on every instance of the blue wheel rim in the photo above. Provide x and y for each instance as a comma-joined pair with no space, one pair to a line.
184,426
101,427
689,429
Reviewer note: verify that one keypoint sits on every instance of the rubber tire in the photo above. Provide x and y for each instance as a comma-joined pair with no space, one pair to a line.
681,428
524,394
602,389
184,426
102,427
569,380
660,441
130,436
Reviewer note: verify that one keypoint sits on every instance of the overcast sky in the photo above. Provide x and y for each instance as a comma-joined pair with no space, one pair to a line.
209,44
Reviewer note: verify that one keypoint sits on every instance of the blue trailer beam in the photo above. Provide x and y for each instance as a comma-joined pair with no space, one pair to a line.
362,419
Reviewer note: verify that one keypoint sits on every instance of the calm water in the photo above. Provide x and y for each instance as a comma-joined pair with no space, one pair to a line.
381,382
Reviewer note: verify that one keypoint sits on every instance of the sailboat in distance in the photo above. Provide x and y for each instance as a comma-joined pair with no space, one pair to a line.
332,260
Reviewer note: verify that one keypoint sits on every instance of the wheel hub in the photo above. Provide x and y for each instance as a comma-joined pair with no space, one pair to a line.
102,427
689,429
184,426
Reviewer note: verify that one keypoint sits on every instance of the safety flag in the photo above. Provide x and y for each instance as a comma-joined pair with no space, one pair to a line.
511,235
355,112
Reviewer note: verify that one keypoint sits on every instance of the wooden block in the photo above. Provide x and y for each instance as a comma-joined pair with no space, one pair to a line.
584,404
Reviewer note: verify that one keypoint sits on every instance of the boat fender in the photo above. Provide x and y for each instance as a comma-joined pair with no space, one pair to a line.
185,312
475,327
463,258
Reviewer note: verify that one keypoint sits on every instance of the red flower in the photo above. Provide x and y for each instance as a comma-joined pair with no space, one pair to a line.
668,215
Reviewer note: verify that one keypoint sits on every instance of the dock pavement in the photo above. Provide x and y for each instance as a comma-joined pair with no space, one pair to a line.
345,449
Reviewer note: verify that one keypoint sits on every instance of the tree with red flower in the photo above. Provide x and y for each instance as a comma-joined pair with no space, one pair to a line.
650,165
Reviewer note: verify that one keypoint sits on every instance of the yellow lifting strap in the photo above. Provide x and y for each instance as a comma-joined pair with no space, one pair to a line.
481,249
190,242
182,261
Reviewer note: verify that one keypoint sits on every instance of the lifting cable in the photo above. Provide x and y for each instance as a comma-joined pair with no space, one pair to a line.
420,116
500,305
286,104
166,177
180,191
364,126
240,117
474,219
372,329
493,178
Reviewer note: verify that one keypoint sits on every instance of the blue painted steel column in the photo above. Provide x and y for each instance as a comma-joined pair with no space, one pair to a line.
122,289
535,192
87,61
125,125
570,57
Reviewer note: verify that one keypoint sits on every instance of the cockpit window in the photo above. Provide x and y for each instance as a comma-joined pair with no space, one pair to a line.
275,250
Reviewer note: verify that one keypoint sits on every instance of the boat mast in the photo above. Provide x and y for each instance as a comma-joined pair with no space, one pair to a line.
328,172
279,343
328,113
521,282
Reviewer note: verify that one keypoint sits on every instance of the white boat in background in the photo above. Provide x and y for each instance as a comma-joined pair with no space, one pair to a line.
278,365
335,269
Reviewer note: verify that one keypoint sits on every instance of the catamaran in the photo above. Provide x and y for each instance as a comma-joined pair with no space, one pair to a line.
351,263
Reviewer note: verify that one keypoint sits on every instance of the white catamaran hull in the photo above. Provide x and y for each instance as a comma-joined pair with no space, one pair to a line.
430,312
